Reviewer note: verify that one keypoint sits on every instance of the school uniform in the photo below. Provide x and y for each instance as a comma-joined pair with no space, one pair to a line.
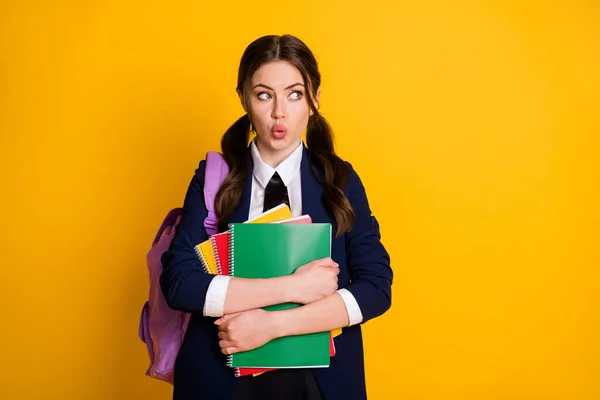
364,282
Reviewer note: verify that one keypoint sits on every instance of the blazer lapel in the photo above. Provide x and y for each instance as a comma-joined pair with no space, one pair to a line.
312,192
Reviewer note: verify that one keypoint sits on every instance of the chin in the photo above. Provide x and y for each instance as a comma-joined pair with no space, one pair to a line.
283,144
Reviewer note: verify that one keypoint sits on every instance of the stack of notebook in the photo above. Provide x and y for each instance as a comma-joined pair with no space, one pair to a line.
273,244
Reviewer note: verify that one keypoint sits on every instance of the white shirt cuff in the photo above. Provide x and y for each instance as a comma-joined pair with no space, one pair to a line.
214,302
354,314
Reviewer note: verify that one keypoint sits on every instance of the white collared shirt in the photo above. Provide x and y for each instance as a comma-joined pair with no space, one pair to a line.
289,171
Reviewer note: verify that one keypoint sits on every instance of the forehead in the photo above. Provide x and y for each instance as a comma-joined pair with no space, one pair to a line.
277,74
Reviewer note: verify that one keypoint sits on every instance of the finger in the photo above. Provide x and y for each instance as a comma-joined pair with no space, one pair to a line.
229,350
226,318
226,343
332,268
328,262
320,261
232,350
223,335
224,327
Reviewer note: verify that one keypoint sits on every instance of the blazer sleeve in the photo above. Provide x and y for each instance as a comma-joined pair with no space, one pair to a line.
368,261
183,281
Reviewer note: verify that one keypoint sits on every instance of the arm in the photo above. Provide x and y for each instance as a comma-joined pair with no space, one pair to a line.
310,282
323,315
251,329
184,282
371,280
368,261
187,287
247,294
370,276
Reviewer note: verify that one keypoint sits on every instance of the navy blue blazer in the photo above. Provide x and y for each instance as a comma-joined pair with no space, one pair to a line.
200,370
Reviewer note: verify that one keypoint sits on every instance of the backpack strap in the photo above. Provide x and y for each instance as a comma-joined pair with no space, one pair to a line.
214,174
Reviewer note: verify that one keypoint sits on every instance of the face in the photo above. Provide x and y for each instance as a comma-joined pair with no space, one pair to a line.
278,109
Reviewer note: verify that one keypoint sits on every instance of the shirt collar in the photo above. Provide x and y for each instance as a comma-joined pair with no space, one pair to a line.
287,169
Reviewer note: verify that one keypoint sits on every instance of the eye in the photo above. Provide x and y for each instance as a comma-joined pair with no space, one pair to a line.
297,95
264,96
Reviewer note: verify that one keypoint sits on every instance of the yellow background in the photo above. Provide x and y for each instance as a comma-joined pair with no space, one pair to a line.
474,126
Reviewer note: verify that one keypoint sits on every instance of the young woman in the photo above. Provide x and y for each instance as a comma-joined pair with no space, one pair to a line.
278,85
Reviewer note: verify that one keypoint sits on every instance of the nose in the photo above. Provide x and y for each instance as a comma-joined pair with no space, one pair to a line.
278,109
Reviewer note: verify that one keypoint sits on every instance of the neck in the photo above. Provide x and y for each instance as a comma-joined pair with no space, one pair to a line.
274,157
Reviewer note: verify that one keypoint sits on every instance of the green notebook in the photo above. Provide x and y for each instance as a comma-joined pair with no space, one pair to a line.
268,251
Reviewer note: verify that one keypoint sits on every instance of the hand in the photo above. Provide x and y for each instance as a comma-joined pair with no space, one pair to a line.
315,280
246,330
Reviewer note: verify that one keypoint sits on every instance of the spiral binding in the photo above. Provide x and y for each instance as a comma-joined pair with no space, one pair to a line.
213,243
237,373
231,246
232,273
202,258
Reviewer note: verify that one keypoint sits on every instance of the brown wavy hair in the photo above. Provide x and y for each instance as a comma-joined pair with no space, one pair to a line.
333,170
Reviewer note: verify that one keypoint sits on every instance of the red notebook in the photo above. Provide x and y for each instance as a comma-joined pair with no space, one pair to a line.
220,244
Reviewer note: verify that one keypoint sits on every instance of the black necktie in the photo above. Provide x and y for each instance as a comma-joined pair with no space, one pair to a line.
275,193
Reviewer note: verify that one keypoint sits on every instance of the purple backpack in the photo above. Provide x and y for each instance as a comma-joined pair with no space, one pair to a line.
162,328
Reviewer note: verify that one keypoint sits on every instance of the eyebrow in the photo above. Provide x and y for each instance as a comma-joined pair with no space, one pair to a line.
270,88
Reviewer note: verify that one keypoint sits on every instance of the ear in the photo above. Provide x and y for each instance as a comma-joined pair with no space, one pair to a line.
317,96
241,96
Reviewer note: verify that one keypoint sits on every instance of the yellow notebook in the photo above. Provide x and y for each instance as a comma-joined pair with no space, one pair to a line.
278,213
206,254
